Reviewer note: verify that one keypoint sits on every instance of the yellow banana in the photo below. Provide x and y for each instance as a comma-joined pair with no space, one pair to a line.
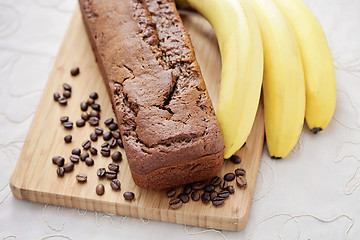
283,84
241,50
318,66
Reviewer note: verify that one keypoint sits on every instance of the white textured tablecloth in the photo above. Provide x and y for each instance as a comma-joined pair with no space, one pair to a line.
312,194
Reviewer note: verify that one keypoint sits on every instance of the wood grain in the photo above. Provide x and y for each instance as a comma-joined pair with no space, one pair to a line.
35,177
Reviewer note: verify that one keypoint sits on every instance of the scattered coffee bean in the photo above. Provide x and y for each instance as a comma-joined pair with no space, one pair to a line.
94,95
116,156
76,151
81,178
107,136
67,87
60,161
224,185
105,145
183,197
101,172
60,171
93,137
240,172
120,143
113,167
112,143
54,159
74,158
64,119
105,152
224,194
83,156
195,195
198,185
85,116
235,159
231,189
68,167
83,106
68,138
115,184
90,101
98,131
100,189
86,144
93,121
241,181
229,177
109,121
217,201
80,123
187,189
89,161
116,135
175,203
95,107
129,195
113,127
68,125
62,101
111,174
56,96
215,181
205,197
75,71
67,94
93,151
209,188
213,194
171,192
94,113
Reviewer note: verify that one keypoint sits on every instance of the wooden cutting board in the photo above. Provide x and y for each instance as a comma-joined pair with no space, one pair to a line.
35,177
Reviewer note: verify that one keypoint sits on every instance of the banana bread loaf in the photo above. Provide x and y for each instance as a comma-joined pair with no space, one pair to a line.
168,125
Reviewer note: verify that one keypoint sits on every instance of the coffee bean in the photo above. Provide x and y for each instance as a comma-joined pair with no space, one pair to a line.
209,188
81,178
215,181
98,131
120,143
113,127
60,171
240,172
80,123
76,151
86,144
85,116
94,95
105,145
231,189
112,143
198,185
93,121
175,203
229,177
171,192
116,156
109,121
116,135
195,195
56,96
235,159
93,151
54,159
68,138
74,158
224,185
187,189
83,106
75,71
67,94
60,161
105,152
113,167
217,201
94,113
107,136
213,194
68,167
115,184
111,174
67,87
62,101
93,137
83,156
129,195
89,161
100,189
101,172
205,197
95,107
183,197
64,119
224,194
241,181
90,101
68,125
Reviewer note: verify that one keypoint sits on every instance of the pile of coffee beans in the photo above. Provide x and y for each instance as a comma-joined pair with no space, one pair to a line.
62,100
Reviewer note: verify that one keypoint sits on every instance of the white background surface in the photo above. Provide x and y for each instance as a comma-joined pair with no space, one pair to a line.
312,194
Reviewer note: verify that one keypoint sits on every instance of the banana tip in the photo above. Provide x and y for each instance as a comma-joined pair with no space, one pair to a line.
316,130
274,157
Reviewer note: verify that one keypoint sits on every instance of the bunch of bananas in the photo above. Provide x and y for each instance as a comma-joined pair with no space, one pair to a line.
277,46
